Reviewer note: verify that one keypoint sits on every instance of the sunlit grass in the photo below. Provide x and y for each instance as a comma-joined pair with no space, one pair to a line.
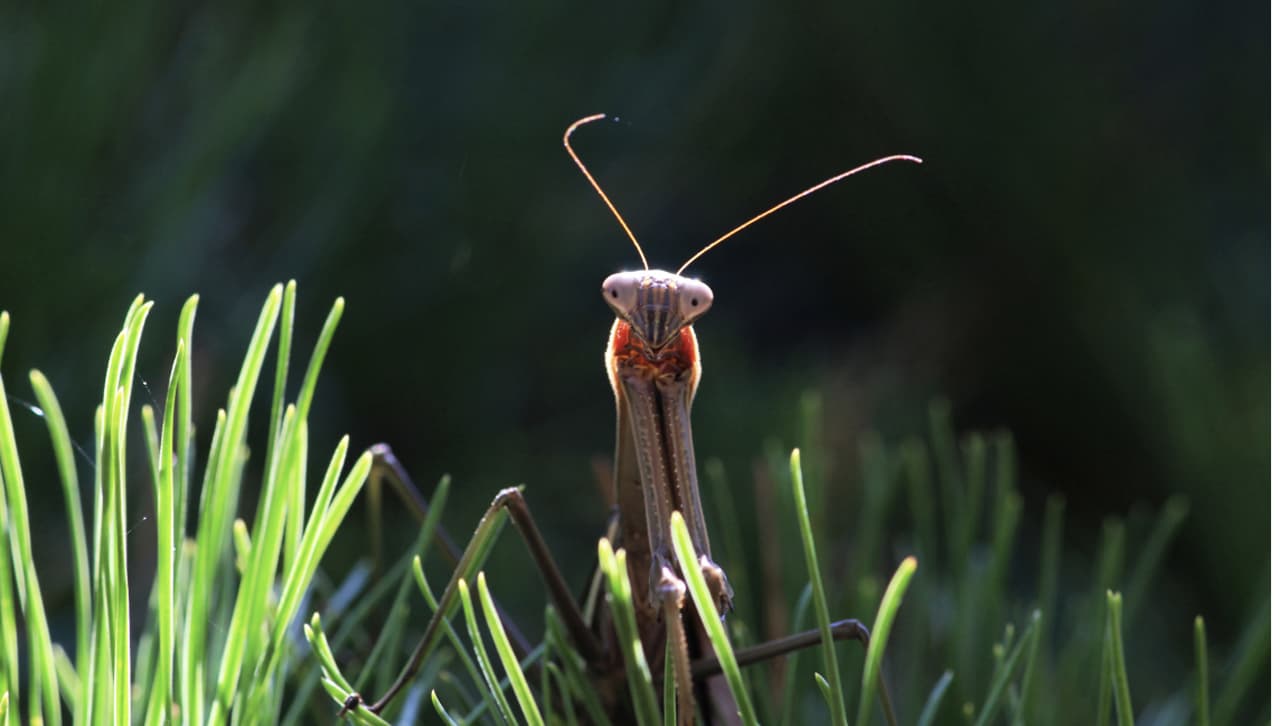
214,641
221,638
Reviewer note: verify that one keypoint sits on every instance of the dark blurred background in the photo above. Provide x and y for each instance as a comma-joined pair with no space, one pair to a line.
1082,258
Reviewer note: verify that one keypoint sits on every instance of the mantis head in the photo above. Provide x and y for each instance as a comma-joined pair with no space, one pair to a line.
656,304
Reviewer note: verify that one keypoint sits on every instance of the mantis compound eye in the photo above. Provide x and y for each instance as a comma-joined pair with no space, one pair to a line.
620,291
695,299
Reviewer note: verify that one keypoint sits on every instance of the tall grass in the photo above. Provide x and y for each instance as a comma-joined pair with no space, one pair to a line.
218,636
957,637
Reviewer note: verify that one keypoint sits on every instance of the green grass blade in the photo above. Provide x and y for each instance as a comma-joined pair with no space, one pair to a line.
444,715
60,437
1028,675
710,617
640,680
889,605
166,609
788,705
452,635
184,439
334,682
1171,517
482,654
9,675
473,557
221,491
575,674
511,664
402,574
43,679
1250,657
312,375
1106,679
283,349
669,691
1124,704
243,640
1004,674
310,551
823,615
1202,673
810,439
115,523
934,701
557,677
824,689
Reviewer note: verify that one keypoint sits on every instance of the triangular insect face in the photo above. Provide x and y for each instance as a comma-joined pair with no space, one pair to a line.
656,304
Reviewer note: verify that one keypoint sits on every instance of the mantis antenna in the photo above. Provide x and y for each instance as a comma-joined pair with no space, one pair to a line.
583,167
801,195
594,185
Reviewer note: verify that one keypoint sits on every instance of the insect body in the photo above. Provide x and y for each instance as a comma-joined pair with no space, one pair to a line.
653,365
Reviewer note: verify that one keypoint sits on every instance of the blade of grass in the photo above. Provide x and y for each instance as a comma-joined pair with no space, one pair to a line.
482,654
1250,656
511,664
1172,515
1106,679
823,615
284,345
380,668
574,670
710,617
1004,675
42,678
469,663
1028,675
816,467
243,641
185,434
1202,673
934,701
305,395
669,691
889,605
162,689
562,690
444,715
787,708
9,675
115,526
334,682
639,679
60,437
477,550
218,498
1124,704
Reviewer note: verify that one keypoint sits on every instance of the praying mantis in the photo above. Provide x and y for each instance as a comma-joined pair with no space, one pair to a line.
653,366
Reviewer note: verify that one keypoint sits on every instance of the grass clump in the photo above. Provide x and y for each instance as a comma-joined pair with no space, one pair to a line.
216,640
222,638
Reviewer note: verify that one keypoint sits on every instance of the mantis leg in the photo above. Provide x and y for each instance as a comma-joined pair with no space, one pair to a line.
511,502
387,469
850,629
